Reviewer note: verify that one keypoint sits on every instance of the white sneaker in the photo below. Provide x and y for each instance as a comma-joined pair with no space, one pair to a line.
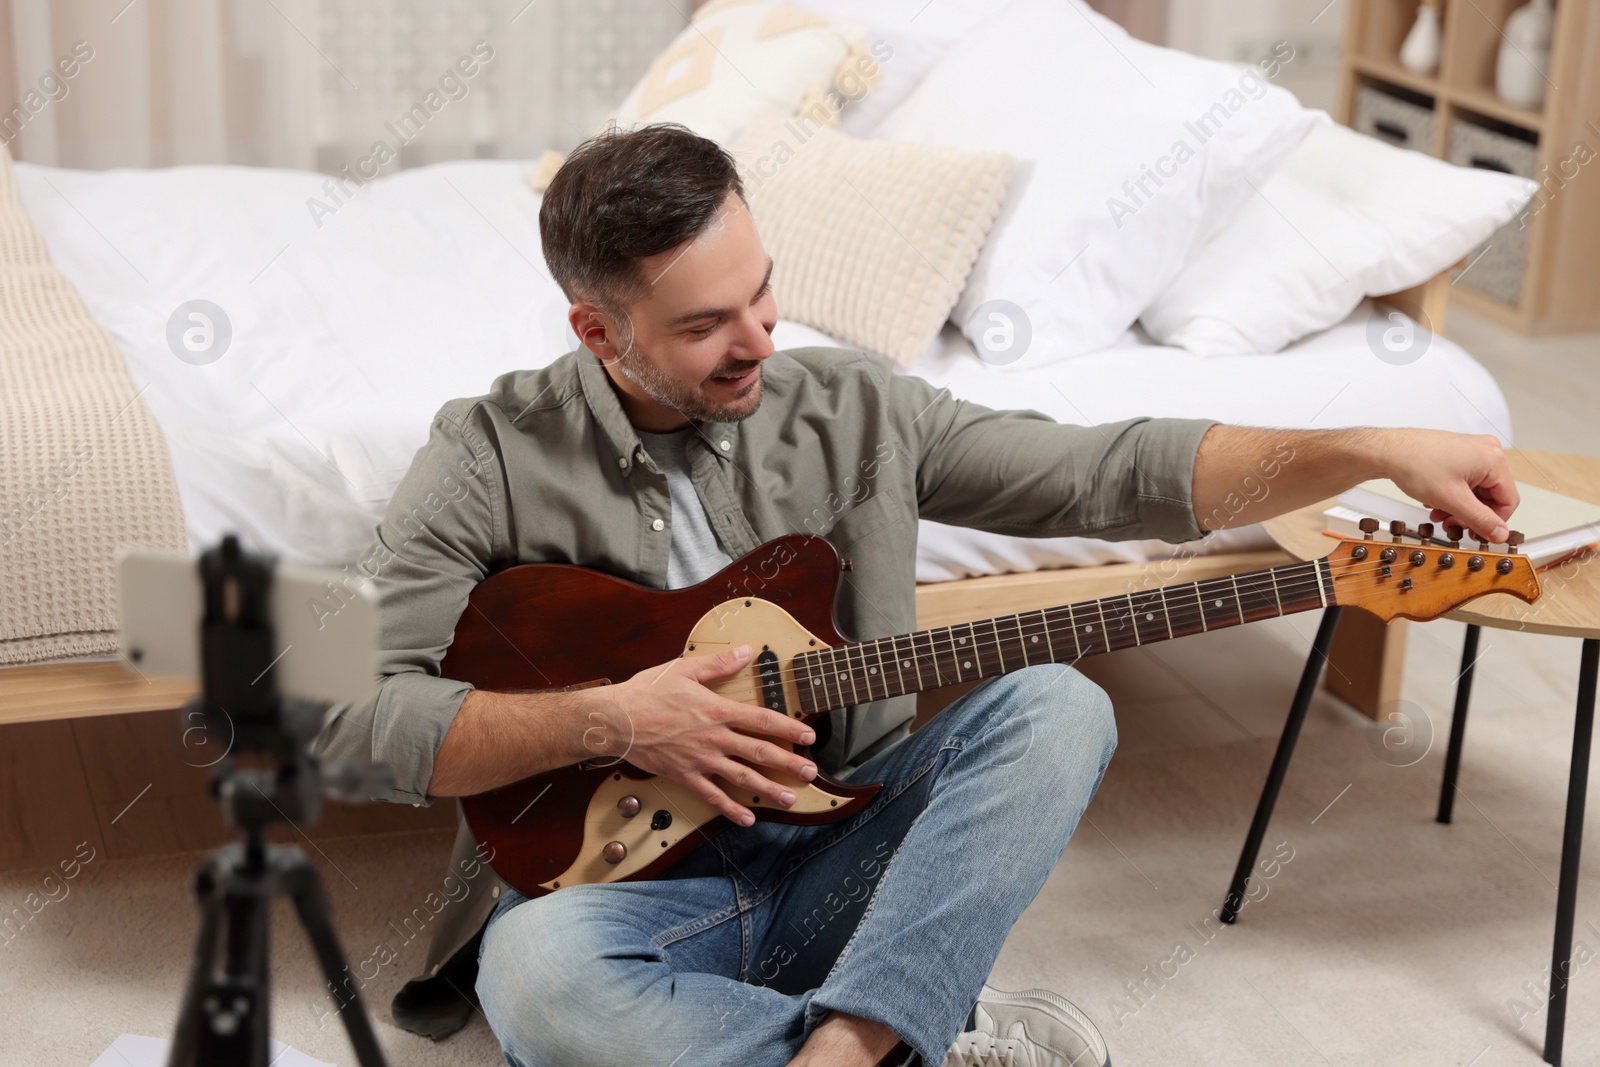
1033,1028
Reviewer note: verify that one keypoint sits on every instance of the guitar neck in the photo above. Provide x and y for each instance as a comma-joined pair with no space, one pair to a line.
886,667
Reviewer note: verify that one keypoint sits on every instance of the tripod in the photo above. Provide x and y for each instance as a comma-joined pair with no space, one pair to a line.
224,1019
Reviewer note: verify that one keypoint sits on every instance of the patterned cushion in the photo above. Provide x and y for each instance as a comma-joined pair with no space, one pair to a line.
871,241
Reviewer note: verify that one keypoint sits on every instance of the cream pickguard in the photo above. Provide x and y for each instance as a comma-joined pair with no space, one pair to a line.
762,625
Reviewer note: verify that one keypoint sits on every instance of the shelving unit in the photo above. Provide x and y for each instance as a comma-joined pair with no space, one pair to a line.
1560,291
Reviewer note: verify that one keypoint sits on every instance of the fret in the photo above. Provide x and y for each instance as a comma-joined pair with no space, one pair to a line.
979,646
965,654
1089,632
867,670
1199,602
1000,656
1023,639
938,680
804,681
831,690
1116,625
874,670
883,668
899,663
1133,618
1165,612
911,658
1237,598
1072,625
1272,573
1146,628
1258,592
1215,606
1050,645
849,675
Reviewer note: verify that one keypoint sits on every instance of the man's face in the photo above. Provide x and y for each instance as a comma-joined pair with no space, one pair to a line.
700,332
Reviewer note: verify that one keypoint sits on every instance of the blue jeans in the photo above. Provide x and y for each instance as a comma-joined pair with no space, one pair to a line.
896,914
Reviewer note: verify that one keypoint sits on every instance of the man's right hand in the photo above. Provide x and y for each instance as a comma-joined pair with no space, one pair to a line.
664,720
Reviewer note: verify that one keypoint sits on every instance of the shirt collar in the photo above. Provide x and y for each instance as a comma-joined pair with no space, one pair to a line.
621,437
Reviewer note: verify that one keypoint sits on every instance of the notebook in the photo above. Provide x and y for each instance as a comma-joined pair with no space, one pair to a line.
1556,525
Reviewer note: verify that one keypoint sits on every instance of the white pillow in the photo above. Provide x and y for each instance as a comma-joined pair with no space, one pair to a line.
1345,217
1092,114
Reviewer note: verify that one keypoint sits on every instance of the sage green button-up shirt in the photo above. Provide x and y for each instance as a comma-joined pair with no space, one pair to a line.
547,468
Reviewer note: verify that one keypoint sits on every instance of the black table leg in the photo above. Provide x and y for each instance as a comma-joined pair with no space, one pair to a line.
1571,846
1280,763
1458,724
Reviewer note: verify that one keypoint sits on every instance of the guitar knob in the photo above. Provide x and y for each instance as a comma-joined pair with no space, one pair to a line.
628,807
1397,529
1475,563
1513,539
1369,527
1425,531
1453,532
1418,558
614,852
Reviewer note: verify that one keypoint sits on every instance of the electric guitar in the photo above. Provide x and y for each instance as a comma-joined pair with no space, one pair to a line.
542,626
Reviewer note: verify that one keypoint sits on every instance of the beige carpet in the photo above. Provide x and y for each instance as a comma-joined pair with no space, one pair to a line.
1385,939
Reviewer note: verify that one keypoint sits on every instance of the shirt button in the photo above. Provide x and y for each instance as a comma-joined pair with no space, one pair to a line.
622,461
495,892
658,525
726,446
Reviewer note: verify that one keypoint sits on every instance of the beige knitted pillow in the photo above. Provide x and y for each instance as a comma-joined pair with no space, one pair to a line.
871,241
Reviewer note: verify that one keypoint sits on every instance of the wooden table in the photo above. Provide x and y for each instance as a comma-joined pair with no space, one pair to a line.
1569,607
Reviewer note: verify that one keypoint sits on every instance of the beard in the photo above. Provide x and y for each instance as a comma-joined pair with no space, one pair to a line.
690,401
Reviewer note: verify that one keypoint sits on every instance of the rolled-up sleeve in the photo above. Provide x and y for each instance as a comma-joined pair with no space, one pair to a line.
1022,473
442,530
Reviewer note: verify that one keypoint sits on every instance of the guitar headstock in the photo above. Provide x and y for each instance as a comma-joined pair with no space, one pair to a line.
1422,579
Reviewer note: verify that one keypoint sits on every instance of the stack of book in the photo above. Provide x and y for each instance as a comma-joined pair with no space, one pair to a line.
1556,526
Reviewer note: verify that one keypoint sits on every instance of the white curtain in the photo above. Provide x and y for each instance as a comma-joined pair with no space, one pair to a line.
317,84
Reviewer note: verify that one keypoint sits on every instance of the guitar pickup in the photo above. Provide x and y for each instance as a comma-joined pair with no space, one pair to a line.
771,681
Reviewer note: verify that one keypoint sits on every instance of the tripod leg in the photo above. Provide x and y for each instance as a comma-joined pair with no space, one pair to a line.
224,1016
186,1038
312,905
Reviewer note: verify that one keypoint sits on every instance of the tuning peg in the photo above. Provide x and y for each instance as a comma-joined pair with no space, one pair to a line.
1397,529
1453,532
1483,546
1513,539
1425,531
1369,527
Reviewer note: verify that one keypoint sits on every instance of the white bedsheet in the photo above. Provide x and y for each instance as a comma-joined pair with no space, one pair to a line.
349,335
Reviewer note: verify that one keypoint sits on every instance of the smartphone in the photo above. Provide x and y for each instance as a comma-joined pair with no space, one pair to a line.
324,622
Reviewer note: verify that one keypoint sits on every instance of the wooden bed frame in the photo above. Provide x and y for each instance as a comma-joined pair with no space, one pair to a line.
85,762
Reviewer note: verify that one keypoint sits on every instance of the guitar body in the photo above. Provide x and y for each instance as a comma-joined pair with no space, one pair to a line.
547,626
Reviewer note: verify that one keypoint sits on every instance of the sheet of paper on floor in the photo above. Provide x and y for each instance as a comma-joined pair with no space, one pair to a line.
135,1050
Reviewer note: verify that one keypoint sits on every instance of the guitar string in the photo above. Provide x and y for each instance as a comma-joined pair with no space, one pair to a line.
1295,579
941,644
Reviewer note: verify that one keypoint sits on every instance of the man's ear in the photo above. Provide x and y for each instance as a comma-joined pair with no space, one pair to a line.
596,330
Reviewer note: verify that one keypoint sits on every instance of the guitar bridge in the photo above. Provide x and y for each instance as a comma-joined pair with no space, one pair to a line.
771,681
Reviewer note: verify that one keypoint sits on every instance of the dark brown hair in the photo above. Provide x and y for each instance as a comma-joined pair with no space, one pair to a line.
625,195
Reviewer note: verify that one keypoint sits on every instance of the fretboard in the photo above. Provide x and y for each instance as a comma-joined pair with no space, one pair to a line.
947,655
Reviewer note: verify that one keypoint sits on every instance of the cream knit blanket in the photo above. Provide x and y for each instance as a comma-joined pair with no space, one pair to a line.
84,469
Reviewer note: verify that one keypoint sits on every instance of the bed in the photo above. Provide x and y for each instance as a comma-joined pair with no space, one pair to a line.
347,336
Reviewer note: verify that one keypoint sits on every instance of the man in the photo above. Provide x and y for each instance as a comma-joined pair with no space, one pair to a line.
676,440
